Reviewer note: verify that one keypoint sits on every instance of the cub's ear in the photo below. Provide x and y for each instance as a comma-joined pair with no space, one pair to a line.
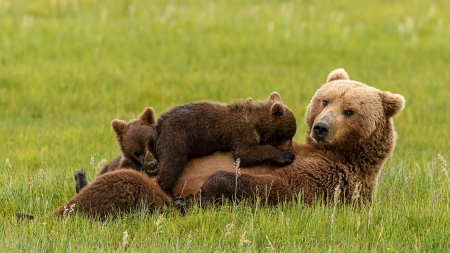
148,116
392,103
277,111
337,74
119,126
274,97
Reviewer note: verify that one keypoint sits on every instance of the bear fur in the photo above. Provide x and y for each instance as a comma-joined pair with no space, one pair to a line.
351,134
254,132
116,192
132,138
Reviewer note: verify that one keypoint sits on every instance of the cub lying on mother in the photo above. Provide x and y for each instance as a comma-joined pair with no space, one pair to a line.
351,133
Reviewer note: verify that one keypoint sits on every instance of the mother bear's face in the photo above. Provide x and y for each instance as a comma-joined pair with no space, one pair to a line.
344,112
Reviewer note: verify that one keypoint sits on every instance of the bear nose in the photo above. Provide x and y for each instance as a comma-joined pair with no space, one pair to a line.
321,130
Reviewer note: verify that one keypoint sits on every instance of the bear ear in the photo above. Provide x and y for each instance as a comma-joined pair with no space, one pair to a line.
119,126
392,103
275,97
277,110
337,74
148,116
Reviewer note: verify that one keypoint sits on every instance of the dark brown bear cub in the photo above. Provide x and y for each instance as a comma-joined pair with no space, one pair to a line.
255,132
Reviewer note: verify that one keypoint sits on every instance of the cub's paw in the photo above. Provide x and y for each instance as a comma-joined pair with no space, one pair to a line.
181,204
150,163
286,158
80,180
23,216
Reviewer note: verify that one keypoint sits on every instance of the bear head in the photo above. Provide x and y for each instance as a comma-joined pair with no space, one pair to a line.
281,126
134,138
345,113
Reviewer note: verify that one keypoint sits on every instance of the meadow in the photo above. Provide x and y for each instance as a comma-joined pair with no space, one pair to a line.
69,67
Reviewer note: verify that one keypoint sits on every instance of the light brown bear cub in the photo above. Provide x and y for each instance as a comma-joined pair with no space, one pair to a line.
255,132
132,138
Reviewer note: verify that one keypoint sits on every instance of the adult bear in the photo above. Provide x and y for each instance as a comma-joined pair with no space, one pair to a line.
351,134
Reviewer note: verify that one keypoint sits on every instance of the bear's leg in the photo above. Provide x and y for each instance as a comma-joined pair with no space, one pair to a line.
223,184
263,154
80,180
169,169
172,153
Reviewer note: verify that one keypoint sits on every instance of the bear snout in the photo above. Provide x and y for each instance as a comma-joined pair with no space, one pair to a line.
321,130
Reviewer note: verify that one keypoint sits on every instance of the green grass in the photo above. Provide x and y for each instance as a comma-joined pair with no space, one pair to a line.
67,68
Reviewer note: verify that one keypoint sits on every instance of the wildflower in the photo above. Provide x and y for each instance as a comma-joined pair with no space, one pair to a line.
158,223
358,223
288,222
337,193
65,211
40,175
72,208
125,238
229,228
101,163
8,163
189,239
92,162
433,166
409,177
356,193
244,240
443,163
271,247
30,183
236,166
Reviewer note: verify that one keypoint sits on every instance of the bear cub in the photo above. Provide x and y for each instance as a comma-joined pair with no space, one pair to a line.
131,137
255,132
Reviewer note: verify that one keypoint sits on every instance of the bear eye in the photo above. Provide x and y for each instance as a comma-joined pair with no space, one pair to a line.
136,154
325,103
348,112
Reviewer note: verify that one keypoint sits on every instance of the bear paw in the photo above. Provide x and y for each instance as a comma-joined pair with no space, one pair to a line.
181,204
80,180
286,158
150,163
23,216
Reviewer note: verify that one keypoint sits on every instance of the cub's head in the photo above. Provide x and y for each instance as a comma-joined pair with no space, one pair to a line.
345,112
133,139
281,125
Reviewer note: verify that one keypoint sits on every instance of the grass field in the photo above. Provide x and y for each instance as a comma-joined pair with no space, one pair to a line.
68,67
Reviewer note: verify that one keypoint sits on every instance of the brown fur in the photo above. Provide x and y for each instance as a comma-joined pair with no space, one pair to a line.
256,133
132,138
117,191
343,163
